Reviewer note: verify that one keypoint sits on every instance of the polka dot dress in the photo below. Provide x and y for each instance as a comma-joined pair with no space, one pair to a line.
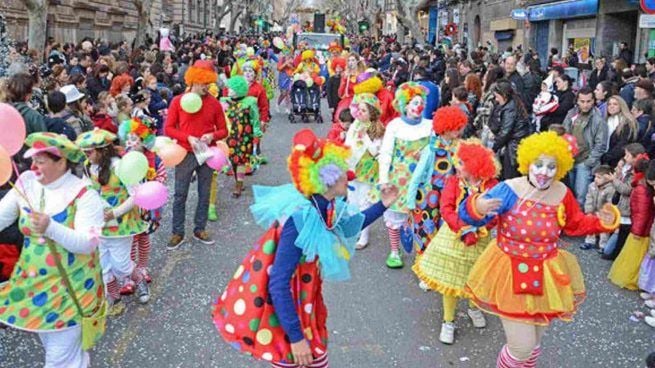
244,313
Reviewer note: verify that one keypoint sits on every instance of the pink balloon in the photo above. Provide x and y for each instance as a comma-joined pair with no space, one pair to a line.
223,147
171,154
12,127
5,166
151,195
218,159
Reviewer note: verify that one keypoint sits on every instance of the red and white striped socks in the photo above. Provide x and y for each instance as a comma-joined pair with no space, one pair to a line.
506,360
113,290
140,252
394,239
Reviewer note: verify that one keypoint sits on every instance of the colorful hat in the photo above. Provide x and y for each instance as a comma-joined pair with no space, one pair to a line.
547,144
137,127
252,64
308,55
405,93
367,98
448,119
476,159
96,138
239,85
316,164
202,72
56,144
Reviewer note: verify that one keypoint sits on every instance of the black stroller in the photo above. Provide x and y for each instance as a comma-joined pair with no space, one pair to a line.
305,102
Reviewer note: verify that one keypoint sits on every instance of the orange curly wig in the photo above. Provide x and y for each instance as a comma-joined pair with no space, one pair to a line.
477,160
118,83
201,72
448,119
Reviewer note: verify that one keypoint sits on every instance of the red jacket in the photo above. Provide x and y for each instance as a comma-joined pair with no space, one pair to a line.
641,209
180,125
104,121
346,87
451,197
257,91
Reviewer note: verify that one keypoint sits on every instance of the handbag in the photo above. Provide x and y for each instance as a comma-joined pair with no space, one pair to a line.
93,325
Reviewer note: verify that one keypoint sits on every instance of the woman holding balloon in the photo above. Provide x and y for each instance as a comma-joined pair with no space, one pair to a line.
111,177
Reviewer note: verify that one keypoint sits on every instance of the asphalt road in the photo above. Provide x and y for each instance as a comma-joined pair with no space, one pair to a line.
378,319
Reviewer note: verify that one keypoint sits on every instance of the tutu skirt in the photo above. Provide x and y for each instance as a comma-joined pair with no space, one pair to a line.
446,263
625,269
647,275
490,287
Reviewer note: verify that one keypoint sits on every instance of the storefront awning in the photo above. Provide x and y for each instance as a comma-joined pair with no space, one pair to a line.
563,10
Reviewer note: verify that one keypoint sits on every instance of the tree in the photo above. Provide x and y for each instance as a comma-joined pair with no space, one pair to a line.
289,7
222,11
406,14
37,12
144,25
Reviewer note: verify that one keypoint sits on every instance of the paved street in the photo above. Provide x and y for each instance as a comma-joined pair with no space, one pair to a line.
378,319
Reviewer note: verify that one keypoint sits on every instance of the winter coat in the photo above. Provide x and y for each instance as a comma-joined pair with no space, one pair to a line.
566,102
59,126
597,77
509,128
104,121
597,197
622,190
643,122
332,90
641,208
532,85
617,143
627,92
595,135
483,113
96,85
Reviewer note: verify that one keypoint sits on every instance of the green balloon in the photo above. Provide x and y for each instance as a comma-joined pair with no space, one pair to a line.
191,102
132,168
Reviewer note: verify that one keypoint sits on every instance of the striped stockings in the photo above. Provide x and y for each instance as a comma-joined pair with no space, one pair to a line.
506,360
320,362
140,252
394,239
113,289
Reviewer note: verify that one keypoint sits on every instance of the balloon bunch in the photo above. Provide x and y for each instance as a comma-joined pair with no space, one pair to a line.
11,140
132,170
169,151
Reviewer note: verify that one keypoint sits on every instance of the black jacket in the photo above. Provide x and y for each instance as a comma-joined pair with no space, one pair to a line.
596,77
332,91
96,85
532,86
616,146
566,103
510,128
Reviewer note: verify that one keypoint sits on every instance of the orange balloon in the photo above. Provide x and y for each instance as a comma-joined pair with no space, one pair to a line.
223,147
172,154
5,166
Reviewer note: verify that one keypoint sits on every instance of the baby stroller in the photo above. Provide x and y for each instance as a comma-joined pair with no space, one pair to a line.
305,102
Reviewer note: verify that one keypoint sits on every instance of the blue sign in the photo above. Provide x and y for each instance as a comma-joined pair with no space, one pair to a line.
519,14
563,10
648,6
433,24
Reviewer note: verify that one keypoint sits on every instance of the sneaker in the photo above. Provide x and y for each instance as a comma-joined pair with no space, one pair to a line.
143,292
477,317
175,242
587,246
650,303
212,215
652,312
423,286
128,287
263,160
360,246
116,308
447,335
650,321
394,260
645,296
203,237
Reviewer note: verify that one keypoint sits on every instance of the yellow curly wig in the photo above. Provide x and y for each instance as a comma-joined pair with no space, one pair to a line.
371,85
547,144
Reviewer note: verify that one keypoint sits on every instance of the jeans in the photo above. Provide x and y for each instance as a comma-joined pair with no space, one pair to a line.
581,178
183,175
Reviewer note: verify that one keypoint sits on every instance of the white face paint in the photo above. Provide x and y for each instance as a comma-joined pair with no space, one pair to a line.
231,93
542,172
415,107
249,74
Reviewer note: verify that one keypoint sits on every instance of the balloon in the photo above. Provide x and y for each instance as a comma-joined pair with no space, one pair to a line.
5,166
191,102
171,154
132,168
12,127
161,141
218,159
223,147
151,195
277,42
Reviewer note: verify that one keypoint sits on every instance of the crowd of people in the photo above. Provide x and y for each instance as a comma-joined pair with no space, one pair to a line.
476,160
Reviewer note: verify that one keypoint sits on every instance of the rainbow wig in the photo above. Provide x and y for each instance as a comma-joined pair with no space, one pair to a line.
405,93
368,83
477,160
316,164
448,119
546,144
137,127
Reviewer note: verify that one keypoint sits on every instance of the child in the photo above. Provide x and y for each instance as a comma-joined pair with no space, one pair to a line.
460,100
600,192
338,131
647,270
332,86
546,102
101,119
141,101
625,270
447,260
364,138
622,182
56,104
124,105
122,220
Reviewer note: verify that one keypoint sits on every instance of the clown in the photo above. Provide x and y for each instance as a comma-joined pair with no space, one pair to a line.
309,67
364,137
335,51
447,261
251,70
404,139
311,237
243,114
241,56
370,82
429,178
354,67
523,276
165,44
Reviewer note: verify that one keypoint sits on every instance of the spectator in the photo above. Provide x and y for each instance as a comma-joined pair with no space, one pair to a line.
629,80
98,81
650,68
450,82
602,92
76,115
585,123
79,81
101,118
532,83
643,89
642,111
60,75
622,130
56,104
625,53
473,86
599,73
485,107
513,76
566,100
124,105
19,91
158,104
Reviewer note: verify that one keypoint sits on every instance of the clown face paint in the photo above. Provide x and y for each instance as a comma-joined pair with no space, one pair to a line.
542,172
249,74
415,108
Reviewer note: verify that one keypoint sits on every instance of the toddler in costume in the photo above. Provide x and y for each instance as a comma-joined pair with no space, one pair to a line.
523,276
625,269
273,307
122,218
432,170
364,138
403,142
448,259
